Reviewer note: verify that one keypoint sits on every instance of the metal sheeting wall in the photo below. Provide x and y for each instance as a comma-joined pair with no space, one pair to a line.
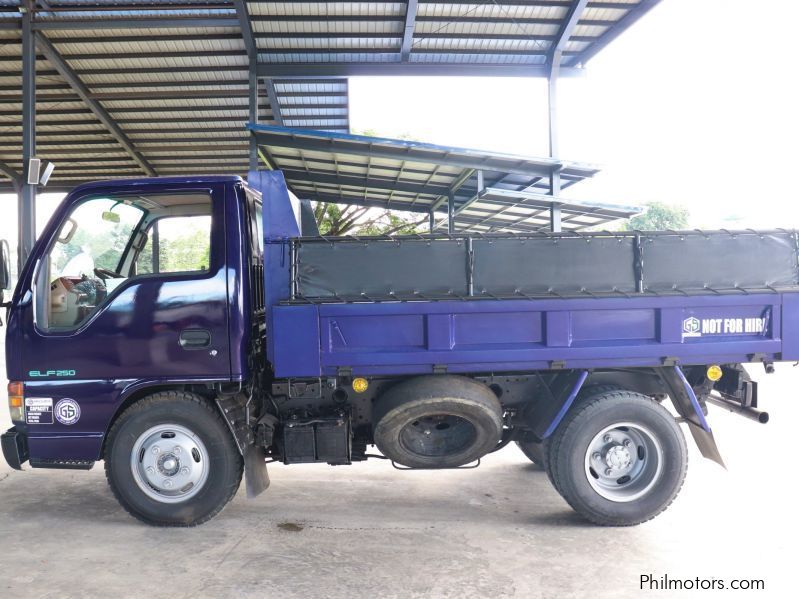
547,265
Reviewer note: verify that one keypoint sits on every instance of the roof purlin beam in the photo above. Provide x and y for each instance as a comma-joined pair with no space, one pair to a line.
274,104
410,26
296,176
135,23
246,29
14,176
566,30
55,59
409,153
364,69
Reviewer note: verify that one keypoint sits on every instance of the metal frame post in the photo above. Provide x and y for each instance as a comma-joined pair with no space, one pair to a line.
26,204
552,112
253,96
450,213
431,220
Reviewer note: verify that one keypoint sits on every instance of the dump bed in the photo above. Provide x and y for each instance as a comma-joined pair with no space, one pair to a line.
500,303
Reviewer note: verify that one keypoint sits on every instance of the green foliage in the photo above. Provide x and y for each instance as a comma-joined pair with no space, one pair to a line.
337,220
184,246
184,253
660,217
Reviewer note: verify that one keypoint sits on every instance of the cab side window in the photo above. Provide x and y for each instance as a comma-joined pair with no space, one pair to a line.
176,244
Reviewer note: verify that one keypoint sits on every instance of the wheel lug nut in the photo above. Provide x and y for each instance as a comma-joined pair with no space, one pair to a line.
596,456
608,471
150,470
156,449
607,438
627,442
176,450
184,471
168,483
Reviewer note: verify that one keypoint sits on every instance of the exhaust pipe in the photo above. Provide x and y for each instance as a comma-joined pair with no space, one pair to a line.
737,408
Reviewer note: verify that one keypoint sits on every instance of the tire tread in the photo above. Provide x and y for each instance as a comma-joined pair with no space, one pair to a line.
569,422
143,405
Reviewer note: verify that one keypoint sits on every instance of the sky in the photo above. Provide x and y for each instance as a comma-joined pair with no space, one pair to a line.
694,105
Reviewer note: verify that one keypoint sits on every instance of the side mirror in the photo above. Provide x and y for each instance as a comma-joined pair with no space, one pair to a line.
5,265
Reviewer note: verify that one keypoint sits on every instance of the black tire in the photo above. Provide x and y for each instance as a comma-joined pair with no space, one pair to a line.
573,437
585,394
470,410
224,469
535,451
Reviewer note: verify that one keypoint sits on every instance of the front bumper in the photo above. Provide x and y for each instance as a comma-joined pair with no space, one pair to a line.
15,448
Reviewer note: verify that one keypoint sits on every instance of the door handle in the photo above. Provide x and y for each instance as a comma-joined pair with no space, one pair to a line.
195,339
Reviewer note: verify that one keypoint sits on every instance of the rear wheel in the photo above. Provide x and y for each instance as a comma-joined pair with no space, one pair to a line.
171,460
585,394
535,451
619,458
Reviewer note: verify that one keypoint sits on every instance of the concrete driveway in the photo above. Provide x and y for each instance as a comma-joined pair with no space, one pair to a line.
370,531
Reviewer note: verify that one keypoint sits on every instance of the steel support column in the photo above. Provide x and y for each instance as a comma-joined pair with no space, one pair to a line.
431,220
451,213
248,37
552,113
26,205
253,115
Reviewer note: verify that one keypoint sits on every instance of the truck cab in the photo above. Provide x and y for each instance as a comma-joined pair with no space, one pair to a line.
134,286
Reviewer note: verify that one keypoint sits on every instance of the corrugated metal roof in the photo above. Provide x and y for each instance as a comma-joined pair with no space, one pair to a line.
418,177
174,74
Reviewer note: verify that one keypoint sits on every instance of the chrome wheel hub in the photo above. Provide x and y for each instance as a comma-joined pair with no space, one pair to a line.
618,457
169,463
623,462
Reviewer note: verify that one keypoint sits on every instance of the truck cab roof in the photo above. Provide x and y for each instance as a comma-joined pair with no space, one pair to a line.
148,181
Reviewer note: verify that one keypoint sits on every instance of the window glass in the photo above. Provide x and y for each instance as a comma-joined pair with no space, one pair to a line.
183,242
88,251
106,240
256,223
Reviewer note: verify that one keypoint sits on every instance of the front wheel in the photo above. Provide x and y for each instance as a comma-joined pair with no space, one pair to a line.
618,459
171,460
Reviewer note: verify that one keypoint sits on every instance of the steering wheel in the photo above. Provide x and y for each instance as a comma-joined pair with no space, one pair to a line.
105,273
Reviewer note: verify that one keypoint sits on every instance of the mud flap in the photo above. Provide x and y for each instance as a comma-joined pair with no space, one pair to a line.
687,405
256,477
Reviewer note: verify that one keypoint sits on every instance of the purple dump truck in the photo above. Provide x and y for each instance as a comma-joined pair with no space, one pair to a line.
187,331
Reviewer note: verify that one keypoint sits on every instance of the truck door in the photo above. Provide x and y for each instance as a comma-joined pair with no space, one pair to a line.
132,286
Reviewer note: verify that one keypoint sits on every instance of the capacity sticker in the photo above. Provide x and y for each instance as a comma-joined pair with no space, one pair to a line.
39,410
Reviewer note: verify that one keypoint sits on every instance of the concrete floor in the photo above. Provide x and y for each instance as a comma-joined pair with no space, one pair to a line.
370,531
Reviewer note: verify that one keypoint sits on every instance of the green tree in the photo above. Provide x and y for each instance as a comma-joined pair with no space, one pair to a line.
338,219
348,219
660,217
